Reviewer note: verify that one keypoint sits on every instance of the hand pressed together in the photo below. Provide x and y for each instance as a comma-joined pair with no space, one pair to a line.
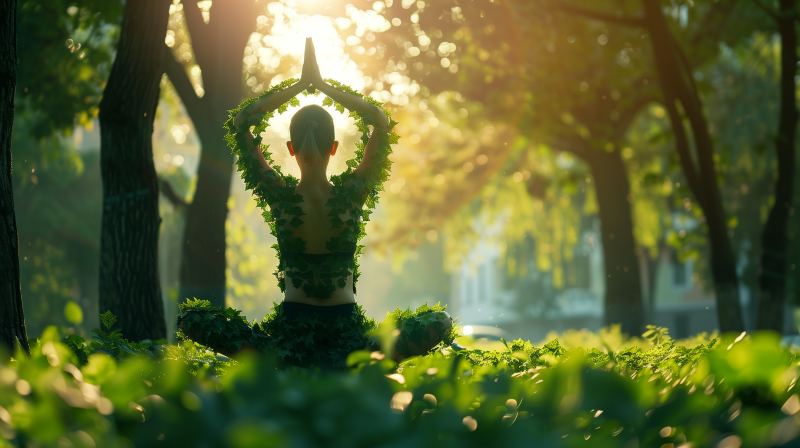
311,76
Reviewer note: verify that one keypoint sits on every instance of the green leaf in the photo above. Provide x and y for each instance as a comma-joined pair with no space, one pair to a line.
108,319
73,313
99,369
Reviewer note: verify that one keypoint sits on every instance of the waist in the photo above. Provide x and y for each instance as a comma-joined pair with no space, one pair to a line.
290,255
293,310
338,296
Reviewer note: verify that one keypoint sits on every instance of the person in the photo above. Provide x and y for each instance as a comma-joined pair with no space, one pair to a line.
317,224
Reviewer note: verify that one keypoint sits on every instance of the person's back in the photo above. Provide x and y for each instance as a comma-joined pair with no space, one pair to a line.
317,232
316,229
316,223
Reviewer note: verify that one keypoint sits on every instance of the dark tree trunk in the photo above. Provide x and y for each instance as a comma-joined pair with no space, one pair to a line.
129,285
623,298
203,261
652,265
12,318
678,85
219,49
772,277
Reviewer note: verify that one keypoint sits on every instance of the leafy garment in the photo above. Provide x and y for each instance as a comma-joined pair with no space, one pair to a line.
319,275
311,339
309,336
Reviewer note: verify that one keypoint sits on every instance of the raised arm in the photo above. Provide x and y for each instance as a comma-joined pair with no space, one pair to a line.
350,102
356,103
249,116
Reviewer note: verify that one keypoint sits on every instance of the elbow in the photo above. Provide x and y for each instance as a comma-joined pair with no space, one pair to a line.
381,120
239,119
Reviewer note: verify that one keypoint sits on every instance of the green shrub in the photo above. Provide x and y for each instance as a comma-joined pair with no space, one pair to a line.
726,392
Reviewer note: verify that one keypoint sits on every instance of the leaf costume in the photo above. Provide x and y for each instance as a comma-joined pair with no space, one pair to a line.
319,275
305,335
308,336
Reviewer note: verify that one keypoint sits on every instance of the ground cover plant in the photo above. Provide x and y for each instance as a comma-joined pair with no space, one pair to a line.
724,392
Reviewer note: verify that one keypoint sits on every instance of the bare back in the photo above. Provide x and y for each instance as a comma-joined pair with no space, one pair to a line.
316,230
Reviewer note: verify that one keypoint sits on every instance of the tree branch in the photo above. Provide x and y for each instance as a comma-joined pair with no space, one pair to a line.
687,72
682,146
170,194
197,29
768,11
596,15
572,143
629,113
177,75
236,17
715,21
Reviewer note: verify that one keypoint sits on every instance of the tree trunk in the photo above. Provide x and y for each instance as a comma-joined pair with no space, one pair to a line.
772,276
623,298
677,85
219,49
203,261
129,285
652,265
12,317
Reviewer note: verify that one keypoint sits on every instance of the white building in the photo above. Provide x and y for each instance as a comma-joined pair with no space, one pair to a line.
530,307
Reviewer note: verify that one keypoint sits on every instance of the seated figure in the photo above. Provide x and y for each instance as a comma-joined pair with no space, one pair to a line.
318,223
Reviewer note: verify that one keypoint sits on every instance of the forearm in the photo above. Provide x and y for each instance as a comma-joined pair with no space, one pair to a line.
255,151
264,167
269,103
358,104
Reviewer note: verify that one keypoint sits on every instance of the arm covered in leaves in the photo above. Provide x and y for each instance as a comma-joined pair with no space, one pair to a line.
254,113
358,104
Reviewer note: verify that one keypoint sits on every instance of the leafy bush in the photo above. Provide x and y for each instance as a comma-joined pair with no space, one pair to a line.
728,392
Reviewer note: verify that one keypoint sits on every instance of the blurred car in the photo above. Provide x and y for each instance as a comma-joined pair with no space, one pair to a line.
483,337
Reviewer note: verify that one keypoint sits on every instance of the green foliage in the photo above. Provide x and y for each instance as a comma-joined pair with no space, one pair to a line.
736,390
78,346
58,204
278,200
656,334
224,330
65,49
108,319
109,341
416,326
307,341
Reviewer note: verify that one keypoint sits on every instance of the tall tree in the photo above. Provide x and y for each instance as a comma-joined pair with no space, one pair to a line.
623,294
12,317
682,101
587,109
678,87
774,242
218,39
129,285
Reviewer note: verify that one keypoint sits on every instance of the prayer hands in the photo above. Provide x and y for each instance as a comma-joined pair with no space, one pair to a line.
311,75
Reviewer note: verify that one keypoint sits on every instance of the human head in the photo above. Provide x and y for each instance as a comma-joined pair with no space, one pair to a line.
313,139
